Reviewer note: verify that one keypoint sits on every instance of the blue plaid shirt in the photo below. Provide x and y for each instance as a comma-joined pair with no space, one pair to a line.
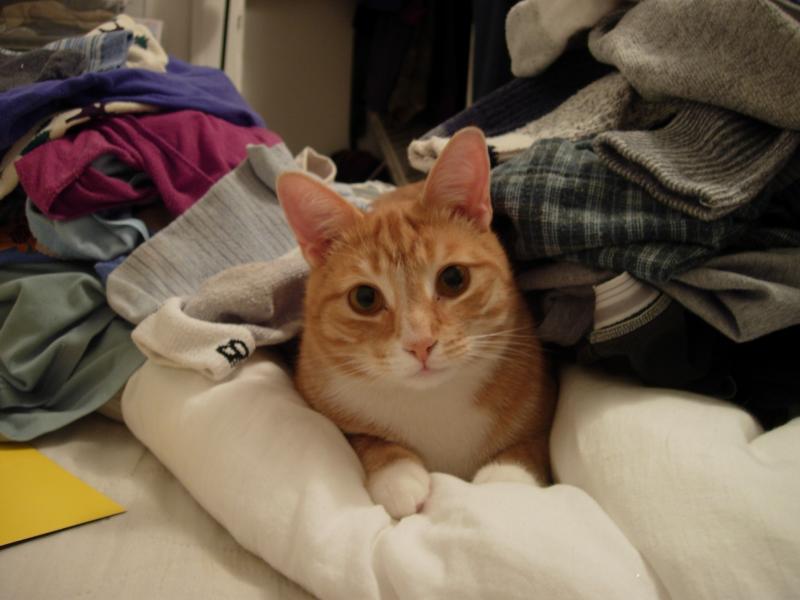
564,202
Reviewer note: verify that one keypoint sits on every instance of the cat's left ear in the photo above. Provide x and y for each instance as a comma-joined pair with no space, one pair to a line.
316,214
460,177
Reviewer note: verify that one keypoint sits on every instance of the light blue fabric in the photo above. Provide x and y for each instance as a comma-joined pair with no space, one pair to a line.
93,237
63,351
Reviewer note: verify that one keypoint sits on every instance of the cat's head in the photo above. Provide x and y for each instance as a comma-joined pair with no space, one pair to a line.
418,289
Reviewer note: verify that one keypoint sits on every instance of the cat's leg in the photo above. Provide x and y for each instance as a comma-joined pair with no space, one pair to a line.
396,476
525,462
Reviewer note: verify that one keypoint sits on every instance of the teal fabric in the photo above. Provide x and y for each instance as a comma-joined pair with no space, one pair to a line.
63,351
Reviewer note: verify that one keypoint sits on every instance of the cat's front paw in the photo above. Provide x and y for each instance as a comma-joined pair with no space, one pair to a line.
506,472
401,487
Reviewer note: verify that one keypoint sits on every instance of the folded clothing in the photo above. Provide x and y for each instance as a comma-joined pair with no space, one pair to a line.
182,152
744,295
607,104
144,53
55,127
98,237
562,201
63,351
102,50
39,65
241,222
523,100
706,161
181,87
727,53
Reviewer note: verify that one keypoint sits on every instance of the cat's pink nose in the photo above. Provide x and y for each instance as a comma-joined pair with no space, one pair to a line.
421,348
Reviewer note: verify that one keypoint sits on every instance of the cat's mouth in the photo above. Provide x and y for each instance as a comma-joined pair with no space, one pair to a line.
426,371
427,375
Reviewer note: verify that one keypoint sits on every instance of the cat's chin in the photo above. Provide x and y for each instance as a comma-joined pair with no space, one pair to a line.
429,378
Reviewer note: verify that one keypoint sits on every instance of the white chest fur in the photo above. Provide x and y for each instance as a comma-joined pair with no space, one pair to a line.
444,425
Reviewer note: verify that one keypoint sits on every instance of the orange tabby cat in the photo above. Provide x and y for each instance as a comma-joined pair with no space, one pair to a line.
417,343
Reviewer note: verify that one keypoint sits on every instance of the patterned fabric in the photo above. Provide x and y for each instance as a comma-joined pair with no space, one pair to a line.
182,87
706,162
55,128
564,202
103,51
41,64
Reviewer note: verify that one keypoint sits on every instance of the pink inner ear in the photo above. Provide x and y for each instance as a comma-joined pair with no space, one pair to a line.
460,177
315,213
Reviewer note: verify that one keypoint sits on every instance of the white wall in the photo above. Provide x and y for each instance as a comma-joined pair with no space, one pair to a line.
176,35
296,70
295,60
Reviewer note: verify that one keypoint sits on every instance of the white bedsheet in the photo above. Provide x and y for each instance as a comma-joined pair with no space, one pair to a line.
710,501
165,547
670,495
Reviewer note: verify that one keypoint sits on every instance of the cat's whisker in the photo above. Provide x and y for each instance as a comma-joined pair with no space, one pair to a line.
503,350
349,365
500,333
502,344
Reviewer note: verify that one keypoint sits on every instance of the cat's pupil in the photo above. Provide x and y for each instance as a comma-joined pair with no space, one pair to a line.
453,277
365,296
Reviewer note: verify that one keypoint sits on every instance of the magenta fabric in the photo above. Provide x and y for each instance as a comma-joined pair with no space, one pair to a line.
183,152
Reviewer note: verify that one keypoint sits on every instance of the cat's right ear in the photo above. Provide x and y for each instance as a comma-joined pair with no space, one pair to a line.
315,213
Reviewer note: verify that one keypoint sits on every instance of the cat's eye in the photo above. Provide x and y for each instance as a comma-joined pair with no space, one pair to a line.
452,281
365,299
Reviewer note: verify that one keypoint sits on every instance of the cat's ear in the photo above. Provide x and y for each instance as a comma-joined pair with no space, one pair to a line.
315,213
460,177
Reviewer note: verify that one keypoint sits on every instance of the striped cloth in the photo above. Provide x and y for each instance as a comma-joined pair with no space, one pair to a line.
706,162
103,51
564,202
237,223
525,99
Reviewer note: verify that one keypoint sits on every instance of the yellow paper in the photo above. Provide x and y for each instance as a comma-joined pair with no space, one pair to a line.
37,496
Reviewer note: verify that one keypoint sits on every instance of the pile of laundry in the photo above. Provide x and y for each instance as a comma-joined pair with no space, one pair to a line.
647,181
104,140
34,24
97,165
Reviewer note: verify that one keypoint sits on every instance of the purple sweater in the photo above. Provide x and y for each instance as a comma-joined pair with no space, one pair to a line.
183,86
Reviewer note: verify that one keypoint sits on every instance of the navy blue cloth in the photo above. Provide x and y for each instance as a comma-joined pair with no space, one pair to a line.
563,202
182,87
13,256
526,99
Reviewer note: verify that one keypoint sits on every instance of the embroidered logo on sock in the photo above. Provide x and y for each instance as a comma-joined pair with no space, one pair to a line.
235,351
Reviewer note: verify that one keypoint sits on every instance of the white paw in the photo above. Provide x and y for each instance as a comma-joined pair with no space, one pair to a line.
401,487
507,472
